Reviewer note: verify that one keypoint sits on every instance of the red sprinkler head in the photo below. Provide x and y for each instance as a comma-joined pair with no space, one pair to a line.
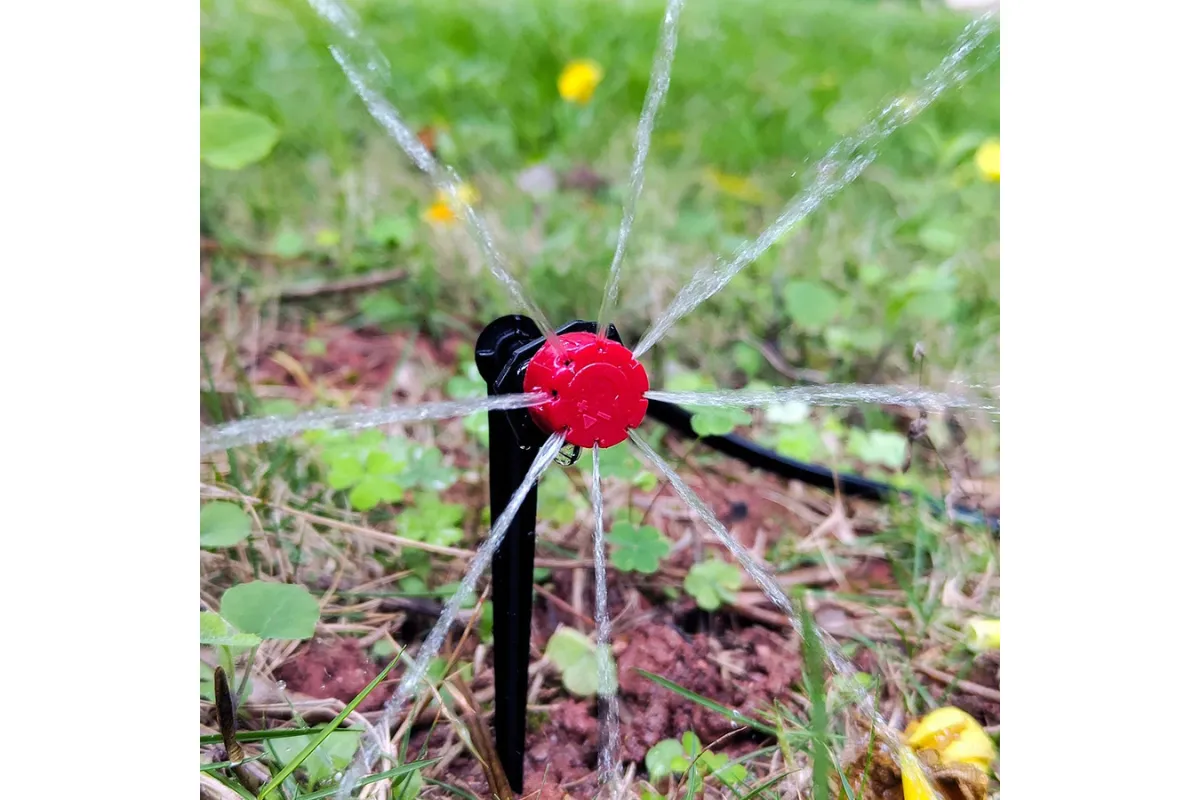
597,389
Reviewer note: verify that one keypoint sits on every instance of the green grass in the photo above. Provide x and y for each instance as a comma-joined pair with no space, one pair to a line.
759,90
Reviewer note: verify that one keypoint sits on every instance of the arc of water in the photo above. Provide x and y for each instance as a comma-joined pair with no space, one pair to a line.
368,747
268,429
607,692
776,594
656,92
367,70
832,394
844,162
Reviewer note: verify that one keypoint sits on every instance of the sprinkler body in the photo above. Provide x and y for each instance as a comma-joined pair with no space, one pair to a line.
596,394
597,389
506,353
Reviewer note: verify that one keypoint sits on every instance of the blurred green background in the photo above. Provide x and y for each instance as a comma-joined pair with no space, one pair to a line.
760,90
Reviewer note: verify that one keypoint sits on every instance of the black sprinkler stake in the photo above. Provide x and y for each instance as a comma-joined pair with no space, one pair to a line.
502,355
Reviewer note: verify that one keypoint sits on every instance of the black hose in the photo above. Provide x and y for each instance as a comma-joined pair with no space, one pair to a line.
758,457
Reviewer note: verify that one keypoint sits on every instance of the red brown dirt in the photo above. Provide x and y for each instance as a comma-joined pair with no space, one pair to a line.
336,668
761,666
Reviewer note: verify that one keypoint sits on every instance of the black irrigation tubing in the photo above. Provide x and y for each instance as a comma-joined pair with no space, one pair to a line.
753,455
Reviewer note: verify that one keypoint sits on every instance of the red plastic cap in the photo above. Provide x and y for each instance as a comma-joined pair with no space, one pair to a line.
598,390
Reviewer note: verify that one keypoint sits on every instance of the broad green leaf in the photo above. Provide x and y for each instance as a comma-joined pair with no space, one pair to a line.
616,463
931,306
427,470
940,240
809,304
690,750
331,756
712,583
271,610
477,426
344,471
885,448
801,442
854,339
233,138
577,660
216,631
381,463
748,359
373,490
719,421
409,787
871,274
717,765
430,520
660,759
207,689
288,244
381,308
223,524
637,549
391,231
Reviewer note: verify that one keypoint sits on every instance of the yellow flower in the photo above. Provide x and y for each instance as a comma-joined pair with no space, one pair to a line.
578,81
912,778
956,739
983,634
987,160
743,189
442,210
955,736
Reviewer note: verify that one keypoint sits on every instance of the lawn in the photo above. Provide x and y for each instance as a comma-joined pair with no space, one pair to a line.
329,278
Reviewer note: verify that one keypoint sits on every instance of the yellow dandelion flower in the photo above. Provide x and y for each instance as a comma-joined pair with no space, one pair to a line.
955,736
442,211
743,189
983,634
987,160
578,81
439,214
954,741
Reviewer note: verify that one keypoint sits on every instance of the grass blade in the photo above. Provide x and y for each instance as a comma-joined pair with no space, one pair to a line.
765,785
333,724
262,736
814,680
452,789
394,772
711,705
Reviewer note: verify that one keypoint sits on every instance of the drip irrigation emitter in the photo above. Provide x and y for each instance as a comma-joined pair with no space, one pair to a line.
595,393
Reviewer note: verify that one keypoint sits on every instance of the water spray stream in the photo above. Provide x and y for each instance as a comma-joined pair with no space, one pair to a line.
268,429
368,72
844,162
776,594
660,80
369,750
607,692
833,394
